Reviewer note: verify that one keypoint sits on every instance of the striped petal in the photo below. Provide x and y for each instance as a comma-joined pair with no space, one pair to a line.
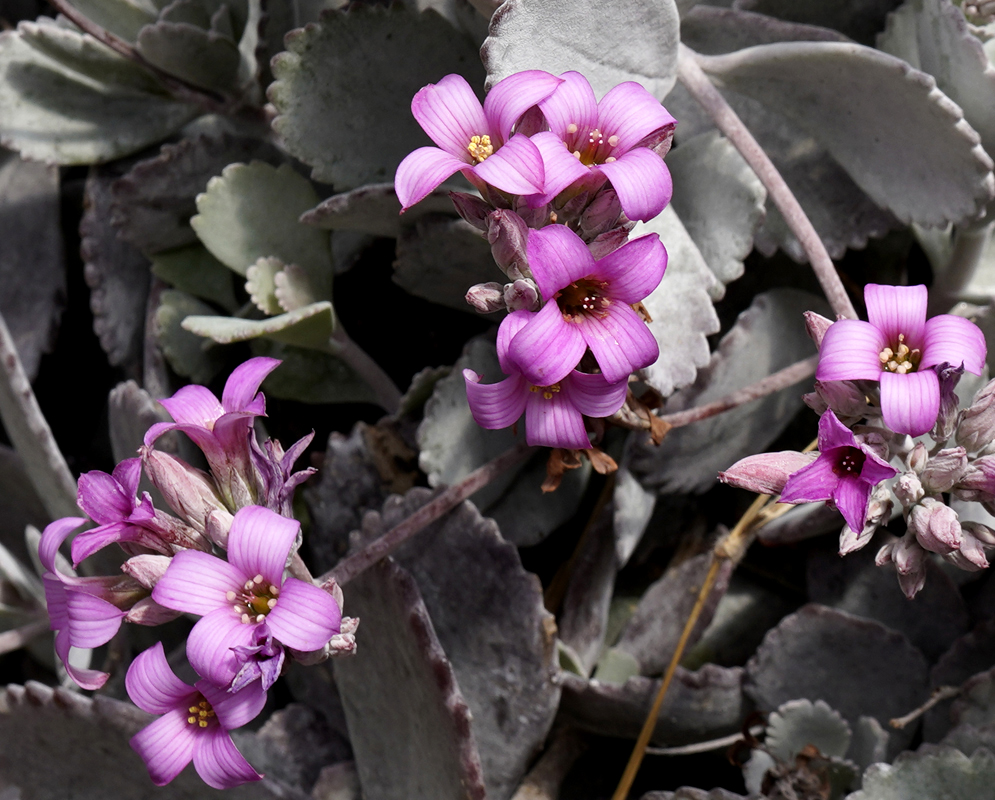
495,405
194,405
631,113
242,387
515,168
954,340
551,420
911,402
593,395
260,541
620,341
210,643
642,182
850,351
548,348
198,583
634,270
573,103
897,310
450,113
557,257
508,330
166,745
305,617
562,169
513,96
422,171
851,496
218,761
152,685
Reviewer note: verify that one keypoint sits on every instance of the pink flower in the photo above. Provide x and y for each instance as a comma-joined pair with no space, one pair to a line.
607,140
897,346
473,139
554,414
588,305
245,599
194,724
845,473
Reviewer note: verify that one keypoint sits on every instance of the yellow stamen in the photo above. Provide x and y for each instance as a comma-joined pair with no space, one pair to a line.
480,147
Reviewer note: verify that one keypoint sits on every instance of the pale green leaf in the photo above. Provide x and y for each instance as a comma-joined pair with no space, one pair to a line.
309,327
188,354
123,18
195,271
375,209
933,773
200,57
799,723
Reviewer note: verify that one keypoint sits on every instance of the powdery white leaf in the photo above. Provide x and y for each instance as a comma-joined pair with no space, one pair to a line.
931,773
194,270
711,31
699,705
375,209
767,337
185,351
489,616
691,793
633,507
62,744
202,58
635,41
251,211
859,667
123,18
409,724
720,202
20,505
876,116
343,104
310,327
858,19
51,112
32,262
260,284
681,306
799,723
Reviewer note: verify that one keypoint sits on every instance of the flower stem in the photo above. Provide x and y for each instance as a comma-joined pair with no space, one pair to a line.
384,389
969,245
30,434
694,79
782,379
441,504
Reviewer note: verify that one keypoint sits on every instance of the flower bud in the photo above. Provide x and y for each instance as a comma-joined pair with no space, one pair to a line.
878,510
908,489
936,526
971,555
147,569
984,534
816,325
977,424
187,490
486,298
917,458
946,420
944,469
472,209
522,295
218,526
845,398
610,241
977,483
910,561
148,612
766,473
508,236
601,214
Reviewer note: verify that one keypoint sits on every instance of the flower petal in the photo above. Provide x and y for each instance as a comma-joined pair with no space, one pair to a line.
516,168
103,498
508,330
814,482
620,341
152,685
52,537
895,310
305,617
198,583
234,709
450,113
561,168
194,405
634,270
954,340
850,351
557,257
242,385
128,473
166,745
92,620
551,420
421,171
89,542
851,496
548,348
218,761
833,433
910,402
875,469
260,541
593,395
210,643
642,182
513,96
631,113
495,405
573,103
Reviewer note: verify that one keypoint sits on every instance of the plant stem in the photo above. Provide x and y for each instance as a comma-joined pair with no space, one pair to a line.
441,504
384,389
940,694
18,637
30,434
180,89
782,379
694,79
969,245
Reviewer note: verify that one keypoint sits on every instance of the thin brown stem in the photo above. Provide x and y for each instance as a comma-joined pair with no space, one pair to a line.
782,379
446,501
940,694
694,79
388,396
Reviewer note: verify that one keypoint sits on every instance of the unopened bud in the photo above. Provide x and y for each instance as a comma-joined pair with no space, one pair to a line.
660,140
908,489
971,555
508,235
147,569
878,511
910,561
188,491
977,424
472,209
845,398
816,325
522,295
766,473
486,297
944,469
218,526
609,241
977,483
148,612
917,458
982,533
936,526
601,214
946,420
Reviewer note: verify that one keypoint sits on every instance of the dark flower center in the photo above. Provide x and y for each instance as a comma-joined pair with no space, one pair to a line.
590,147
255,600
849,462
201,713
901,358
582,297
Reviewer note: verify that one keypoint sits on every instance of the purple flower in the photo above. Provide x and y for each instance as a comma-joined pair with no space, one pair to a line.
588,304
194,724
473,139
554,414
897,346
845,473
275,469
222,430
245,599
607,140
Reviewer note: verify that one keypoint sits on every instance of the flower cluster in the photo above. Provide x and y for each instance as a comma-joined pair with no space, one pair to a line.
889,379
223,554
562,177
